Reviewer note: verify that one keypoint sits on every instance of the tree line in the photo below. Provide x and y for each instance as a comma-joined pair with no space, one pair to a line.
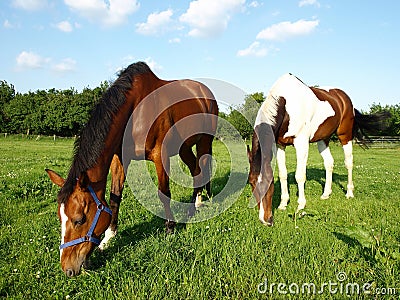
46,112
65,112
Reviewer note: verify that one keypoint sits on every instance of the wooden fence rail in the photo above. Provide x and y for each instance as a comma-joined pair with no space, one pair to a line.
384,141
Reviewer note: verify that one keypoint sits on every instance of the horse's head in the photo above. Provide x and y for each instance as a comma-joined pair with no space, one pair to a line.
83,220
261,177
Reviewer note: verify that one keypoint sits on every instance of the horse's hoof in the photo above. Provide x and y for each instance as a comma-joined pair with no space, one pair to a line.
191,211
282,207
169,227
324,197
109,234
301,206
198,203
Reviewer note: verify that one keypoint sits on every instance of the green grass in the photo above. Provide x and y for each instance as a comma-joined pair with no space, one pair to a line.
231,256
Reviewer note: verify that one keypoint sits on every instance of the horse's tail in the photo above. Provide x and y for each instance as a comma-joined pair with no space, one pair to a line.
372,124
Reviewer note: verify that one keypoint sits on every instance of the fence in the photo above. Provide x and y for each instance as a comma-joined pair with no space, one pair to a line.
384,141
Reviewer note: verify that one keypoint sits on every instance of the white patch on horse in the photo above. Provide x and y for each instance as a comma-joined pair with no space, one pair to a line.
108,235
306,112
259,178
322,112
261,213
198,202
64,219
268,111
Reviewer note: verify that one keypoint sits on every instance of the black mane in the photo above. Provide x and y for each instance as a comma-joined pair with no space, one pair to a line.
90,144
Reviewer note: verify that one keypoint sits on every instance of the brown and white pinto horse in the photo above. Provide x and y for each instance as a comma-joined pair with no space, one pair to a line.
156,106
295,114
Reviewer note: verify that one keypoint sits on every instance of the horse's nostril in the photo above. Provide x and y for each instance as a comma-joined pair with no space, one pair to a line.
70,273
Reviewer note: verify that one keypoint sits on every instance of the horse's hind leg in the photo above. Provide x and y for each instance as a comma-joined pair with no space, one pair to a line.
204,158
187,156
164,193
348,162
117,186
325,152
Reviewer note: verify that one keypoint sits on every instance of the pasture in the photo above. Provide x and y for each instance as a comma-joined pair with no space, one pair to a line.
337,249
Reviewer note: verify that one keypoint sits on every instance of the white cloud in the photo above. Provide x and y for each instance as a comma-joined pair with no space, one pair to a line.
209,18
255,49
174,41
254,4
7,24
29,4
285,30
309,2
31,60
129,59
66,65
109,13
154,66
28,60
64,26
156,23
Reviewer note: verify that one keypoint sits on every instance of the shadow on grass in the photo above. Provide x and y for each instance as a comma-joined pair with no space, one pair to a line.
314,174
130,236
153,225
352,242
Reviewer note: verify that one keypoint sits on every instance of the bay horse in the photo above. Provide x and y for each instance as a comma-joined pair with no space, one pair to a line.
295,114
82,209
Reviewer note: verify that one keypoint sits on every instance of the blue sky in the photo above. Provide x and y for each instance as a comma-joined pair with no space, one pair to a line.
351,44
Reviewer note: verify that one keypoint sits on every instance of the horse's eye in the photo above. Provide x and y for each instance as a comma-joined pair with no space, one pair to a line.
80,221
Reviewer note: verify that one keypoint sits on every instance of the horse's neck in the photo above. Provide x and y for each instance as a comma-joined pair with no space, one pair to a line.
113,142
144,85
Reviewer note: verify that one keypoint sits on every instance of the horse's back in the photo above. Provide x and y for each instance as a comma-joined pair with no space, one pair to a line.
343,119
170,114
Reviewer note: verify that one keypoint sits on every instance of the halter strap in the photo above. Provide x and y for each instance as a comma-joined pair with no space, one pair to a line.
89,236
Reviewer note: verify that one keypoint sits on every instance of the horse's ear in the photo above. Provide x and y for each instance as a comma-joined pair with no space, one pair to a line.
249,154
55,178
83,180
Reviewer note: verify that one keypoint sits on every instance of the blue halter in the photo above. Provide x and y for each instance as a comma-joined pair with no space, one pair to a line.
89,236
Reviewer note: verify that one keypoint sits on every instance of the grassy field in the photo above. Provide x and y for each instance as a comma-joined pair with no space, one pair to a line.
338,246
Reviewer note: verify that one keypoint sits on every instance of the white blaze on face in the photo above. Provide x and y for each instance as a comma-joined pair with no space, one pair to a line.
64,220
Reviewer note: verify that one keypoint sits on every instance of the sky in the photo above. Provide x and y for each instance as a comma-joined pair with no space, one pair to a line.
350,44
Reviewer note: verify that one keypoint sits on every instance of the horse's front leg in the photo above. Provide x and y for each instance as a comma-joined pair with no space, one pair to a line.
301,144
117,186
281,159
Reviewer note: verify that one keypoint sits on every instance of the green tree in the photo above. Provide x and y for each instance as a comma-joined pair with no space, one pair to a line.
393,122
7,93
244,116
